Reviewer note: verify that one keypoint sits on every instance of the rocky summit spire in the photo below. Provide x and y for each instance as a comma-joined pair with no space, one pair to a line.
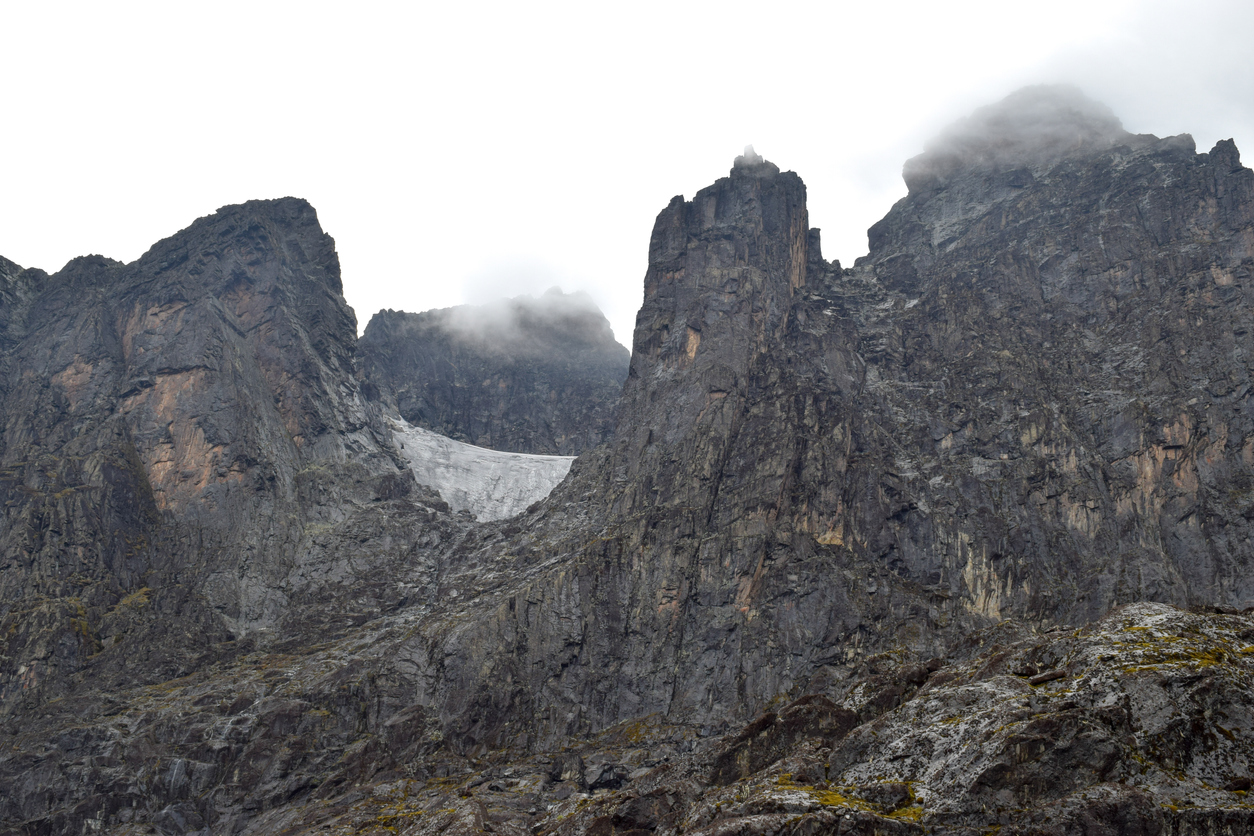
722,270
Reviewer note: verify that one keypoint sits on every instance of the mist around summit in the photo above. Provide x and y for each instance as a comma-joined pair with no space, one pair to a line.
513,322
1032,126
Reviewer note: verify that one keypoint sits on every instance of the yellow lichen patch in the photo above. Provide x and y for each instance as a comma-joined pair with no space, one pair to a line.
136,600
829,797
694,341
1168,653
834,537
393,820
847,797
912,813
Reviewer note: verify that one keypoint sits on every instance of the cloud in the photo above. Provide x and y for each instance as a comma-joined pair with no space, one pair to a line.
527,324
1032,125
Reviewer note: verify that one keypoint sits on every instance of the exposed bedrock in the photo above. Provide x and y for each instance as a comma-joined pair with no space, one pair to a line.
183,432
1030,400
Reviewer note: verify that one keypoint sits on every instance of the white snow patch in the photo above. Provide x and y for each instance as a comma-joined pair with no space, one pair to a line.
491,484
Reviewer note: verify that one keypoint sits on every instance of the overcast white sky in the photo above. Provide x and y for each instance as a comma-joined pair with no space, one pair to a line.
460,152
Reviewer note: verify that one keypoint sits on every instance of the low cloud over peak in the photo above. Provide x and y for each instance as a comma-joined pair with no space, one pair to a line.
507,321
522,325
1032,125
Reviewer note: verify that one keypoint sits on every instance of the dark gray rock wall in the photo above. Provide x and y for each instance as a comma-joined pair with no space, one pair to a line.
1029,401
525,375
181,432
712,579
1064,354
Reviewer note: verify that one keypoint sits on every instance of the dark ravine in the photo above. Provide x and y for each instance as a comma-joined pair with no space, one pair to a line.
952,541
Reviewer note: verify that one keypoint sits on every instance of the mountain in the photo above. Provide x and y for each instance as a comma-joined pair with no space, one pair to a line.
177,429
523,375
953,540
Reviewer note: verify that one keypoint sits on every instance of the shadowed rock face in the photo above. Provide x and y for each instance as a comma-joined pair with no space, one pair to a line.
1026,402
524,375
875,501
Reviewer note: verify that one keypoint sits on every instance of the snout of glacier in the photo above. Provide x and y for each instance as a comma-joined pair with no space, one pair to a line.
491,484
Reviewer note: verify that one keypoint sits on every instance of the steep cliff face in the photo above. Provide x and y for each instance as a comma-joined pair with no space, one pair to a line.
1027,402
524,375
179,429
1063,351
707,586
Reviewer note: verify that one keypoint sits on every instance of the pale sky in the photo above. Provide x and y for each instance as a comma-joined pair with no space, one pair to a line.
461,152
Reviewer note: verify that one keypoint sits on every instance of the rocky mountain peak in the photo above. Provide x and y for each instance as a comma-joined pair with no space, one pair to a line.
723,268
527,375
86,264
527,323
1225,153
1029,127
278,241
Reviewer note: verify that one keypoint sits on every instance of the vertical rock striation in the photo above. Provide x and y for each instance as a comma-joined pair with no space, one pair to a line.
705,589
1027,402
1064,350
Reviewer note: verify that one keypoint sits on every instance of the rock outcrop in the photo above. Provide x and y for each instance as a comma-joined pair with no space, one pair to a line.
524,375
1025,403
950,541
1061,352
1109,729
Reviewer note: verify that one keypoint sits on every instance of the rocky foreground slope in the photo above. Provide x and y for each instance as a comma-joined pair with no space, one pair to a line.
851,562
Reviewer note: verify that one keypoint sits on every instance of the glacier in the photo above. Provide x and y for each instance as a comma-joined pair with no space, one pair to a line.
490,484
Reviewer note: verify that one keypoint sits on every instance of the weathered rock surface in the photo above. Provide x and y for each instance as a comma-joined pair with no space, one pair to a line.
1137,724
182,437
1061,351
524,375
1009,409
879,509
